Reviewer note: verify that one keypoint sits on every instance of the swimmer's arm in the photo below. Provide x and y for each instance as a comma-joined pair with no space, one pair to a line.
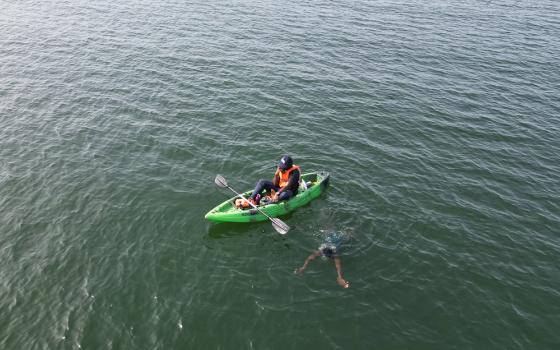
309,258
341,281
338,266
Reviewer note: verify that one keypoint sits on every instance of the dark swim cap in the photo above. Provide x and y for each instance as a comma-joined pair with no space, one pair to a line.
286,162
328,252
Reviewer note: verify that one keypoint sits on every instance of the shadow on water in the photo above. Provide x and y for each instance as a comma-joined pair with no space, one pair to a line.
230,229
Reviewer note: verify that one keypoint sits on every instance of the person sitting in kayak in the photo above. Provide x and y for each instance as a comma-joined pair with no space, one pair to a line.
330,248
285,182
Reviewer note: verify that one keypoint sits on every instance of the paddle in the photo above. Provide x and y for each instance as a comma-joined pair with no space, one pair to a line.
280,226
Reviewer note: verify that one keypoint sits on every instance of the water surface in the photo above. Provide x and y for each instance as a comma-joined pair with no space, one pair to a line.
438,121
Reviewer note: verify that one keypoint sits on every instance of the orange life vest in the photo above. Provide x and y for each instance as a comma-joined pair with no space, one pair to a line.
285,176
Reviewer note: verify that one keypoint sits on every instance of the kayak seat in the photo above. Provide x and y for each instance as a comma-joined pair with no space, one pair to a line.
304,185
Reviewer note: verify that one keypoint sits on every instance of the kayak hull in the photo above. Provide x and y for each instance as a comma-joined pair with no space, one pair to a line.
226,211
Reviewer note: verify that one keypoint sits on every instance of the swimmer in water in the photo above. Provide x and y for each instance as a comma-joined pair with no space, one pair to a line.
329,249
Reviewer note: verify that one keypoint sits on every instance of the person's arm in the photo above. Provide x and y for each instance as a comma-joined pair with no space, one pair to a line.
275,182
309,258
341,281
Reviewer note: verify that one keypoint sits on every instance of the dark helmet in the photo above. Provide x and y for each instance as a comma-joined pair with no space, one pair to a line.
286,162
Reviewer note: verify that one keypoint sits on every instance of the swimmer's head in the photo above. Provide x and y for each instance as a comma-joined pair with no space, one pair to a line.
328,252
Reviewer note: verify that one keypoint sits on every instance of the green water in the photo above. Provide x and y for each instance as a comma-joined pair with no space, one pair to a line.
438,121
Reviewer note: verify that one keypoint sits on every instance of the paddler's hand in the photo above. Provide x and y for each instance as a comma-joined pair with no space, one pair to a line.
299,271
342,282
275,198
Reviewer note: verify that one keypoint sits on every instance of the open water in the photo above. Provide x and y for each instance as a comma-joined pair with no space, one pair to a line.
438,120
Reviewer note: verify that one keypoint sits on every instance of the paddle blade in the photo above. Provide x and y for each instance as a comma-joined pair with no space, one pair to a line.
220,181
280,226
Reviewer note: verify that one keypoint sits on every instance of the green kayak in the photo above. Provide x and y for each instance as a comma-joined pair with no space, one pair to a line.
316,184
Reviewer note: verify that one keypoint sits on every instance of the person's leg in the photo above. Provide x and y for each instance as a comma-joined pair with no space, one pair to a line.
285,195
261,186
